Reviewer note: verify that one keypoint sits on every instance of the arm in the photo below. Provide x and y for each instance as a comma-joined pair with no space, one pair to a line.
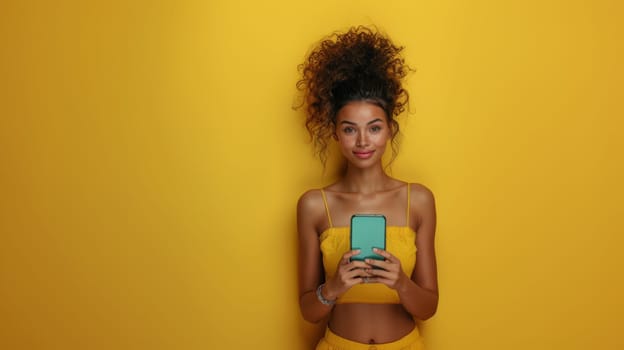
418,294
310,212
310,264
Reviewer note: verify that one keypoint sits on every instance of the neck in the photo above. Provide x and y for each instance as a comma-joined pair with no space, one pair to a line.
368,180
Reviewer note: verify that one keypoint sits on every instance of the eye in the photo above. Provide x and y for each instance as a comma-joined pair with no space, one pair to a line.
375,128
348,130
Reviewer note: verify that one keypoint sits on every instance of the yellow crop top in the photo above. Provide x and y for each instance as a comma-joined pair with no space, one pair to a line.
400,242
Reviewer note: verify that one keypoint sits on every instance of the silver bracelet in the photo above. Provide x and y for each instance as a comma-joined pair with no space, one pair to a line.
321,298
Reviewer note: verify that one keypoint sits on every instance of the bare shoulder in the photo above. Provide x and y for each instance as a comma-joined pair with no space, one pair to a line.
421,195
422,207
311,210
310,201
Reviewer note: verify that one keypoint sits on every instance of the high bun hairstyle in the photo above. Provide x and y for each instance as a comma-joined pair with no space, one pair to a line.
358,65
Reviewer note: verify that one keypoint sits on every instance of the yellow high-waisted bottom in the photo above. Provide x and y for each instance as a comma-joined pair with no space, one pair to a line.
331,341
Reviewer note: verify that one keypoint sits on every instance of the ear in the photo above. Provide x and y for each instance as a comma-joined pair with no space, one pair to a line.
334,134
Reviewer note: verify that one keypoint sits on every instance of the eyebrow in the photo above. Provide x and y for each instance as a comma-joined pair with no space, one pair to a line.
352,123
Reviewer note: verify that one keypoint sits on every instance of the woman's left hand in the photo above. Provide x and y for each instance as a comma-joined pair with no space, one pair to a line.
389,271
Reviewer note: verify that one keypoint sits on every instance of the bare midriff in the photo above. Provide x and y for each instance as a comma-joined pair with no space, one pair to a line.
371,323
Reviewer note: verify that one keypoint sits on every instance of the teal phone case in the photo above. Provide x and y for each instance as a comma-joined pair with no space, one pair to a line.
368,231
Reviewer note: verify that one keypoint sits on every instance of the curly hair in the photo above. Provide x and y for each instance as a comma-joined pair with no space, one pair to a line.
358,65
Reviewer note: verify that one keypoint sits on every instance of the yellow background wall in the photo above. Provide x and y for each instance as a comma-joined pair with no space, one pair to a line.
151,164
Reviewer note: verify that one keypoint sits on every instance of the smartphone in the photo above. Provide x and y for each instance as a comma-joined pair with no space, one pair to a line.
368,231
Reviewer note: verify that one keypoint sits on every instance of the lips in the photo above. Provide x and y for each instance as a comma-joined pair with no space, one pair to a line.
364,155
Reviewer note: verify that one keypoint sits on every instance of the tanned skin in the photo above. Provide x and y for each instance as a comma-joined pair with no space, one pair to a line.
362,133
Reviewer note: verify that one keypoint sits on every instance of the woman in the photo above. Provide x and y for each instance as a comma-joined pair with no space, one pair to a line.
352,87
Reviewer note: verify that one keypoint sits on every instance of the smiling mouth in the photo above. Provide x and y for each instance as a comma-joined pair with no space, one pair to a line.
364,155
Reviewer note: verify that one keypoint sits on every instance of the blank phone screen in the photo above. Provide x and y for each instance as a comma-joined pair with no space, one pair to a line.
368,231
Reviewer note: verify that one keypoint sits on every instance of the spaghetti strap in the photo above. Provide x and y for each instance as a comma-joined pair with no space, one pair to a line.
326,208
408,205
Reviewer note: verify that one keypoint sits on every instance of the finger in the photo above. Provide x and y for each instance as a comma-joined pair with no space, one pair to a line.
352,253
371,279
354,278
361,267
356,264
385,254
356,274
378,273
352,266
383,264
347,256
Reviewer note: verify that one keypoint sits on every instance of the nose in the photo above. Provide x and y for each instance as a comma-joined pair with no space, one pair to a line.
361,140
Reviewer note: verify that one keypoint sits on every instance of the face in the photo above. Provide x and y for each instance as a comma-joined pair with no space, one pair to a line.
362,131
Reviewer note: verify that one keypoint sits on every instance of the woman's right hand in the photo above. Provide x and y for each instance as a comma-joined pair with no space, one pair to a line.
348,274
